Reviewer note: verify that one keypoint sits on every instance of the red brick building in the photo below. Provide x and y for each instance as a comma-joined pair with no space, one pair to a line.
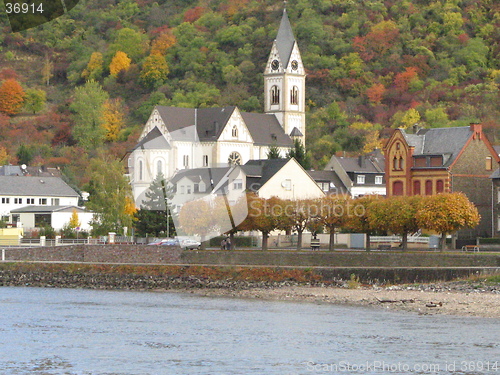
440,160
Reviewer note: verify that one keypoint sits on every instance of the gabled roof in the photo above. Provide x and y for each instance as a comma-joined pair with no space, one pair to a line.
263,170
208,122
266,130
154,140
448,142
210,176
369,163
184,124
285,39
296,132
35,186
330,177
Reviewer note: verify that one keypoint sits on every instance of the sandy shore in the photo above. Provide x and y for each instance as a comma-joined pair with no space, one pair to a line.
479,303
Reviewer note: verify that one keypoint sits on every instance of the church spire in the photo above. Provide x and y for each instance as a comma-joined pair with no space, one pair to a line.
285,39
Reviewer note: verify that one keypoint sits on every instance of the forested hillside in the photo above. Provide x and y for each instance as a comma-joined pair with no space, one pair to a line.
82,86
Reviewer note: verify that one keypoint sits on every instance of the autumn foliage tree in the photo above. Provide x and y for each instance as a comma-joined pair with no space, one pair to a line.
397,215
119,62
333,213
163,42
113,118
11,97
94,67
446,213
359,217
154,70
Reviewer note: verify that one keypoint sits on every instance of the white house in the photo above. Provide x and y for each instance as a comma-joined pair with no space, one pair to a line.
175,139
56,217
22,191
362,175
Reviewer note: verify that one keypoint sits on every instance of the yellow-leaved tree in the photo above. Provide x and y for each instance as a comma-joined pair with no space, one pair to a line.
119,62
94,67
446,213
154,70
113,118
74,221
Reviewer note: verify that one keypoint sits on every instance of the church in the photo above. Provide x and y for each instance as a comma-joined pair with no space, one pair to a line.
175,138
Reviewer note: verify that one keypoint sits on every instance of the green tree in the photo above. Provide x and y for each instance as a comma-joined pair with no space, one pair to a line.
299,153
35,100
25,154
110,197
87,107
154,216
274,152
133,43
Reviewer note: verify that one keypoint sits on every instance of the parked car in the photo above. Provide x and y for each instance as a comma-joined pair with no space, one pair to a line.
166,242
190,244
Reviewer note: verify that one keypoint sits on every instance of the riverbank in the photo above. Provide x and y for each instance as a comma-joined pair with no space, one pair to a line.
462,298
477,296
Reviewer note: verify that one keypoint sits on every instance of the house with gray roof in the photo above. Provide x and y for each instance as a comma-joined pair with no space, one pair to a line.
176,139
284,178
21,191
360,175
433,161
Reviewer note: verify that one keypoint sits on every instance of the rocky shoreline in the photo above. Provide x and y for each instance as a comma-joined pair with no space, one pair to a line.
478,298
425,299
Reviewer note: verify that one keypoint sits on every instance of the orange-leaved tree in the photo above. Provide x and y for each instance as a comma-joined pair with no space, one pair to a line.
332,213
359,215
264,215
446,213
397,215
11,97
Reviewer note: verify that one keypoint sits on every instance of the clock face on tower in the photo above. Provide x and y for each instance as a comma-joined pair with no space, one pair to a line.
295,65
275,64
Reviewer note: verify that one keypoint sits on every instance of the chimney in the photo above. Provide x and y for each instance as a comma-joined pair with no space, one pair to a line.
476,130
361,161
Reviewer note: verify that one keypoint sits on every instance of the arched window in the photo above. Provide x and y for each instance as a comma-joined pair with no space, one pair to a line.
439,186
294,95
235,131
275,95
395,163
397,188
428,187
140,170
159,167
401,163
416,187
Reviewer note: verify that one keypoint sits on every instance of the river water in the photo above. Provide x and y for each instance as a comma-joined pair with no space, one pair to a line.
73,331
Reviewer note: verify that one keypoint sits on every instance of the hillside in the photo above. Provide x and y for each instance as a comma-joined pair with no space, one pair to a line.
372,66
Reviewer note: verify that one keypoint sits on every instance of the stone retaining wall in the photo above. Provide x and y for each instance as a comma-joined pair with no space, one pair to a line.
134,254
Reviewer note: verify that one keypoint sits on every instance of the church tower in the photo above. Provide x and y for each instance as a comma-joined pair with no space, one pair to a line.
285,82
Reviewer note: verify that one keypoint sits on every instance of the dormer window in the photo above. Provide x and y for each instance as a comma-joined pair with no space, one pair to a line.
360,179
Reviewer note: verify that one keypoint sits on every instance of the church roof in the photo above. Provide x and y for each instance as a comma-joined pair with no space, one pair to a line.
263,170
266,130
154,140
285,39
208,124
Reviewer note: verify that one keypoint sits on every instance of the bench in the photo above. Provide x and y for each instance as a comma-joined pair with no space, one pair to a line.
470,248
315,243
